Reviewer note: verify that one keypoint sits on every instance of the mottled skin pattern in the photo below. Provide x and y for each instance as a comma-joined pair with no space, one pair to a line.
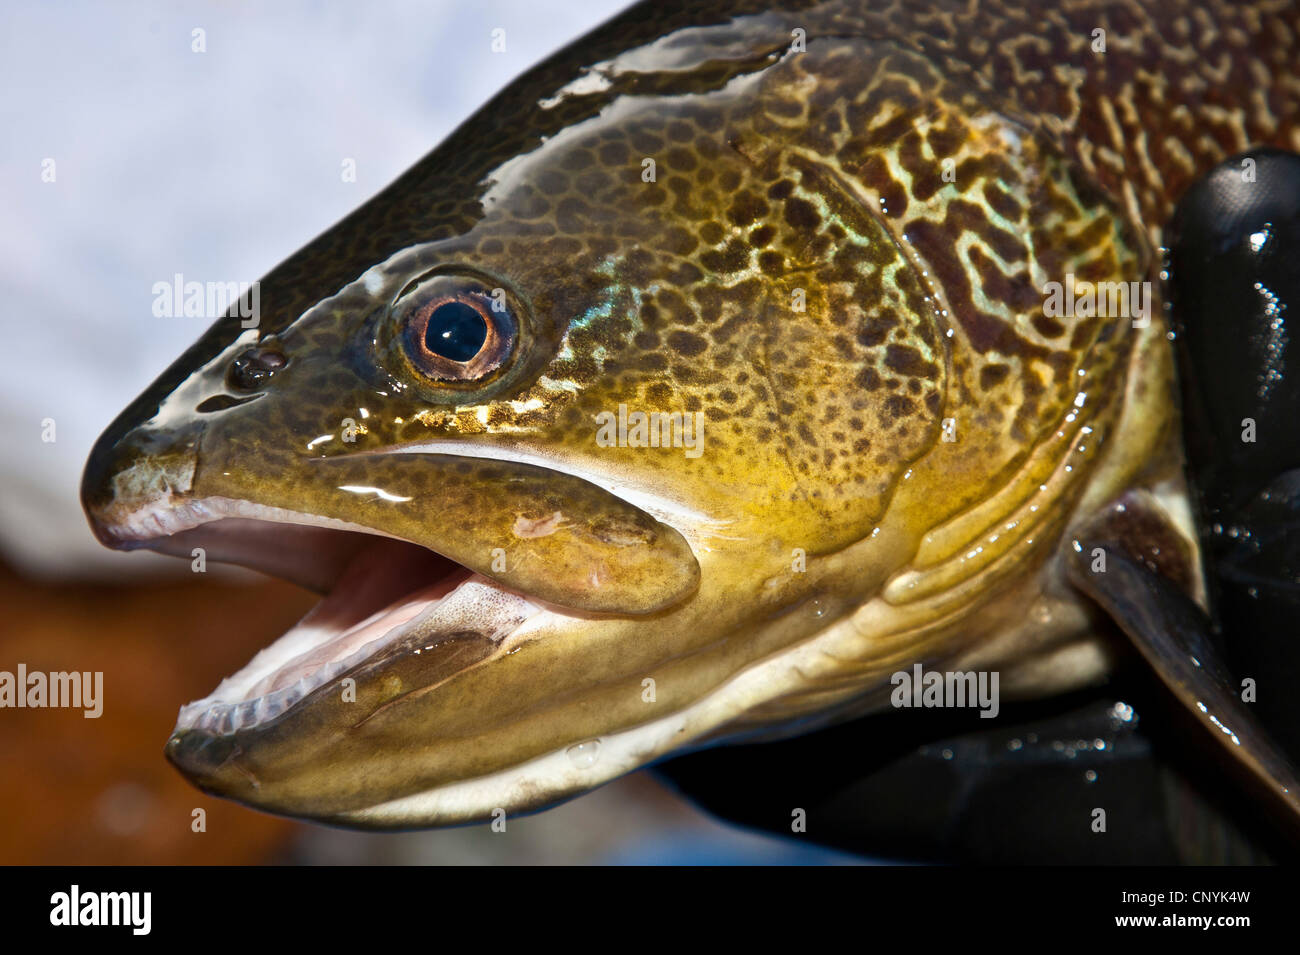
842,246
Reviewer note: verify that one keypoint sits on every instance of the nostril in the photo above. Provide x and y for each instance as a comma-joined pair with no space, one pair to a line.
253,367
221,403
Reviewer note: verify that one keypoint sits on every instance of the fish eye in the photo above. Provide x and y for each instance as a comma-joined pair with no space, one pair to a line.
455,331
455,328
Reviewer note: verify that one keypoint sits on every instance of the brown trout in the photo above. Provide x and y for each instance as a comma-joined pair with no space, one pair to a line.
733,359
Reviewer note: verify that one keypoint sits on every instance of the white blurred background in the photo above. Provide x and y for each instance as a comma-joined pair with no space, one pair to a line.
218,165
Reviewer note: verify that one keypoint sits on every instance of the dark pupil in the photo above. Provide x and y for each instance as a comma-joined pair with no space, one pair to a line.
456,331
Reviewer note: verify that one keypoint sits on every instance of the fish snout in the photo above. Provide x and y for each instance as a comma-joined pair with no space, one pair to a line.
133,481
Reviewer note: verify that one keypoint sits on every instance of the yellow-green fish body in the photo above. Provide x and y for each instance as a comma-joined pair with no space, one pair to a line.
725,354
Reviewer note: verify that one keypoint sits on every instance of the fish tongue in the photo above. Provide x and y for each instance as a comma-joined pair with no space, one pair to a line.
386,584
377,576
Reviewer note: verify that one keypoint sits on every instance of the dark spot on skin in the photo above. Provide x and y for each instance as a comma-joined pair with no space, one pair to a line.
679,312
772,263
615,154
1048,327
801,214
746,208
1001,202
687,344
945,139
681,160
646,145
572,215
908,361
687,275
898,406
869,379
552,183
531,206
875,329
991,375
733,258
876,174
680,132
709,300
637,266
780,190
593,182
680,242
577,160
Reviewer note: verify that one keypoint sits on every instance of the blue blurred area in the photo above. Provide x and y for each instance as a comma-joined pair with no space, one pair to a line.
726,847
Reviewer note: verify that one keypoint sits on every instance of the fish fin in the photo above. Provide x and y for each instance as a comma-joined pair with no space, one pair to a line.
1176,639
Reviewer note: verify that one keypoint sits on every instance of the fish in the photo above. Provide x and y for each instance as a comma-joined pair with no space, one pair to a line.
727,363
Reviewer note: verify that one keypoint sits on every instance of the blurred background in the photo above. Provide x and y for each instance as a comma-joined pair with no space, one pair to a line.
131,155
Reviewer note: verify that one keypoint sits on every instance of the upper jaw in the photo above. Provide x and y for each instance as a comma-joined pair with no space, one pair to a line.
303,548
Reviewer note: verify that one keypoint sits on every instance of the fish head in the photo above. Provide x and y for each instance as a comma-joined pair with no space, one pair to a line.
585,445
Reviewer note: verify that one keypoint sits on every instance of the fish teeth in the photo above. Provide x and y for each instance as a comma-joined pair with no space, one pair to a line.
246,713
225,718
225,723
272,706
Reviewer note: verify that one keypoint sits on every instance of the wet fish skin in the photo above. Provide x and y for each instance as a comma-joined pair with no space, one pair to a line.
782,178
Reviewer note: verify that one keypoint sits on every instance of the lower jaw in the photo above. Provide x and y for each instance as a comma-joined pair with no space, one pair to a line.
255,696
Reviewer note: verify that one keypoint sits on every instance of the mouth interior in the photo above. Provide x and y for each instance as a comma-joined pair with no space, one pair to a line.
386,584
377,590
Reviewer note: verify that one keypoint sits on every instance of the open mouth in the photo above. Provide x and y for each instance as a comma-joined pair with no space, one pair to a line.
382,595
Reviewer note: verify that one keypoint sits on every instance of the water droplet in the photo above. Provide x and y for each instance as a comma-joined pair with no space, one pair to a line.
584,755
1090,776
